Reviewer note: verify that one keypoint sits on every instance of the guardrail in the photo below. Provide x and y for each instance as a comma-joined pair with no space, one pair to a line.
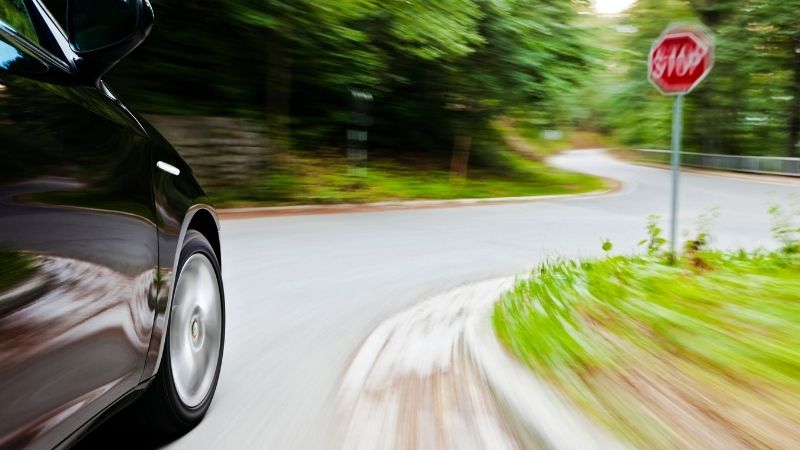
772,165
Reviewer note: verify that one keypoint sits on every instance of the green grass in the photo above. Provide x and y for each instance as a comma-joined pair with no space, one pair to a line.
496,169
682,355
533,141
326,179
14,268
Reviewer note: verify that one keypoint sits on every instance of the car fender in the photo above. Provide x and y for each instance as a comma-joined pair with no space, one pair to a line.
167,286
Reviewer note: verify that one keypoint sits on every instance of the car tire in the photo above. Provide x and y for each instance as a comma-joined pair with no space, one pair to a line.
179,396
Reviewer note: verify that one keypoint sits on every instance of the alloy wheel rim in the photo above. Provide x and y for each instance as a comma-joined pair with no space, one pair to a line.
195,330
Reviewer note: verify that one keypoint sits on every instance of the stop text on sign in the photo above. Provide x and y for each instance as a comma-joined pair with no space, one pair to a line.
679,61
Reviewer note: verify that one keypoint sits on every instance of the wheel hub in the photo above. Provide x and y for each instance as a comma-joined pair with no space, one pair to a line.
195,330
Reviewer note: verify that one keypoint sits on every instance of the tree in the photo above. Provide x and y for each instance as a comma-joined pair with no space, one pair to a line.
776,26
749,104
437,68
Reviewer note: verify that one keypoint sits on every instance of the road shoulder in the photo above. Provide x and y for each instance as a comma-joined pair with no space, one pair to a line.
435,376
301,210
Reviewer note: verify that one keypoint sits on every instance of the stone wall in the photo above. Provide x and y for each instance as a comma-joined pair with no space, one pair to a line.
222,151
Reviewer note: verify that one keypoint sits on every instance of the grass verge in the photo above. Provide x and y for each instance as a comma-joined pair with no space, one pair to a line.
680,355
529,140
326,179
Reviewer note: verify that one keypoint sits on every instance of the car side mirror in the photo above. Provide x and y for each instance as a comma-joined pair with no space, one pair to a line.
102,32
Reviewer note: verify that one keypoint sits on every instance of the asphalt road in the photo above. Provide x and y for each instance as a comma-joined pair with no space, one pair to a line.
303,292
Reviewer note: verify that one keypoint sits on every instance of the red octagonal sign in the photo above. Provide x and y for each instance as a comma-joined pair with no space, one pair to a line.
680,59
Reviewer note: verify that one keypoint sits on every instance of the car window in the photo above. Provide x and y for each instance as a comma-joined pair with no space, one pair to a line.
14,15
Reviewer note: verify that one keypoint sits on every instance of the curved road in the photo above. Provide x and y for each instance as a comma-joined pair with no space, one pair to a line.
303,292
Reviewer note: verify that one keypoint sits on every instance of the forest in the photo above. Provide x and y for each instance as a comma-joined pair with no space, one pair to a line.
436,70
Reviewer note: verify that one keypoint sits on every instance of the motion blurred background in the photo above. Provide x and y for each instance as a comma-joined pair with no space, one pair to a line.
440,98
281,102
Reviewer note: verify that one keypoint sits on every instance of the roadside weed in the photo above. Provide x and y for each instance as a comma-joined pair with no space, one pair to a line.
785,226
655,241
697,351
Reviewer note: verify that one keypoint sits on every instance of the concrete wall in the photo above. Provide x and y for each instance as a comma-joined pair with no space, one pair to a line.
223,151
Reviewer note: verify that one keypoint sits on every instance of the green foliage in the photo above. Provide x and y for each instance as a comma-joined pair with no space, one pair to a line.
598,329
655,241
436,69
445,68
694,247
749,104
607,245
326,179
786,226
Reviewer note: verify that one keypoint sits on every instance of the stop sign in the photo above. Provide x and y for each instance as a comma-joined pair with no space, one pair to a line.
679,60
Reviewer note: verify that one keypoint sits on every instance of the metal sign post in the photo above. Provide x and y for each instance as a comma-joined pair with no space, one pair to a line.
679,60
677,130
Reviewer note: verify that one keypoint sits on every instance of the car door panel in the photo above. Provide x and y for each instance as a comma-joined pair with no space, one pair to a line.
78,252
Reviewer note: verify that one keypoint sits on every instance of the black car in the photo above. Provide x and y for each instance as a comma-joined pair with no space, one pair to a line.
111,294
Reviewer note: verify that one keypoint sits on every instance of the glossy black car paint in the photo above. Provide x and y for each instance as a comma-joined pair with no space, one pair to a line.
89,233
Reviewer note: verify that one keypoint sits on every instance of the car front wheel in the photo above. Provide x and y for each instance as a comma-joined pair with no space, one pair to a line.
184,386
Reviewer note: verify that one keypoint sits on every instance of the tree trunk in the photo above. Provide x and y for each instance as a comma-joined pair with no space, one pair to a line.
279,91
459,164
794,109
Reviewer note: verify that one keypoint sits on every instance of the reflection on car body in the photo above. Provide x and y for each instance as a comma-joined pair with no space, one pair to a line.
90,235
